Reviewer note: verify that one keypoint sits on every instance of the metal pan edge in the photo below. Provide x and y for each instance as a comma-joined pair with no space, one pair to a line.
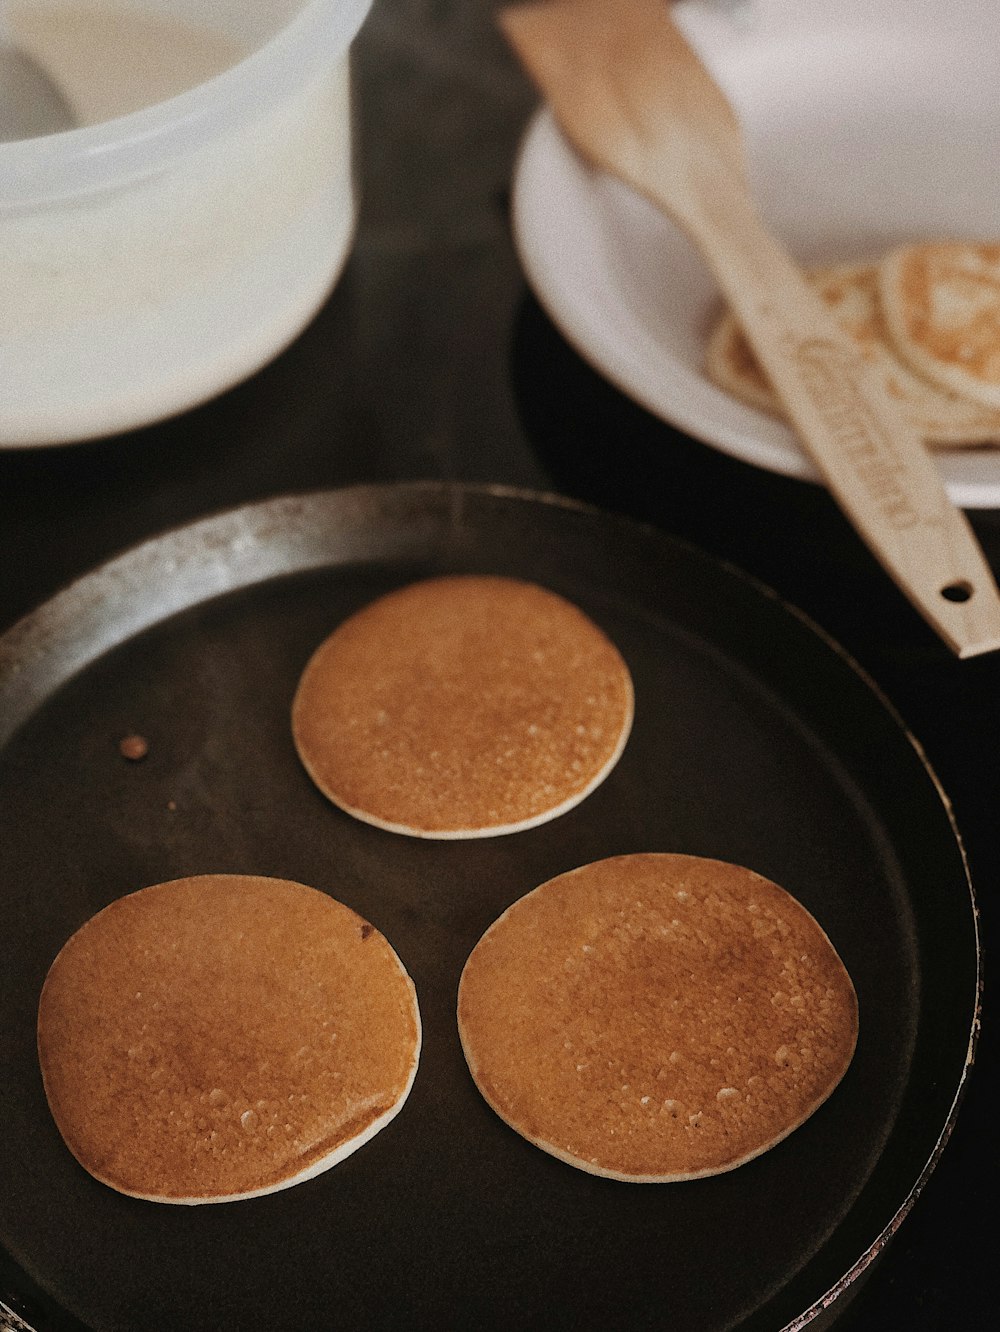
294,533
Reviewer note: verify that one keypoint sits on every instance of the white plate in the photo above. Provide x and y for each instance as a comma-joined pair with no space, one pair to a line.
864,126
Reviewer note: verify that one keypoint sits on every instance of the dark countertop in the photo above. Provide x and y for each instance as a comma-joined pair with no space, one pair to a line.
432,360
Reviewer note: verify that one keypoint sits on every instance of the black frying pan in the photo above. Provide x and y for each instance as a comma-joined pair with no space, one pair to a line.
755,741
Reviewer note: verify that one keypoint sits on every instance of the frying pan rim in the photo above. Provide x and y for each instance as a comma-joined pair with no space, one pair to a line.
31,633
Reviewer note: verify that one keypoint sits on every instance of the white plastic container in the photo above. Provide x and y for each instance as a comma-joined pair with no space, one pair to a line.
152,260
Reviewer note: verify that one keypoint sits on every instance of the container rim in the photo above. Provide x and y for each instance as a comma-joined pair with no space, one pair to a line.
92,158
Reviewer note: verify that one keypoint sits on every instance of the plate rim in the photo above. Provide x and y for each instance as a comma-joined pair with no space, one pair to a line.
544,156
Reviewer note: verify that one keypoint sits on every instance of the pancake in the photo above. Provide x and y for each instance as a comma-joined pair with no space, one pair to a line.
464,706
654,1018
942,417
731,365
223,1036
942,310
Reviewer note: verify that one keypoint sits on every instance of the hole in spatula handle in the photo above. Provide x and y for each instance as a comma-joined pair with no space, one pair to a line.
960,591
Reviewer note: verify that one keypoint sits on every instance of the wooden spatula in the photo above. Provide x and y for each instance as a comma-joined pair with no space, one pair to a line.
635,100
31,103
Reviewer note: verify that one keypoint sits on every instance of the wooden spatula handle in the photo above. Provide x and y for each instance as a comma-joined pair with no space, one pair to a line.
636,100
872,459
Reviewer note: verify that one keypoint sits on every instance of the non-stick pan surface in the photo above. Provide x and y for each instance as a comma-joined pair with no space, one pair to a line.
754,741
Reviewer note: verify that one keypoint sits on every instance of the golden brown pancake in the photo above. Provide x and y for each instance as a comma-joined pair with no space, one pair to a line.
942,417
223,1036
942,310
463,706
656,1017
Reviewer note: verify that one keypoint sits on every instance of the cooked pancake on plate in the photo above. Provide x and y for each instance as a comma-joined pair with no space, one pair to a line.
942,310
731,365
222,1036
942,417
656,1017
463,706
